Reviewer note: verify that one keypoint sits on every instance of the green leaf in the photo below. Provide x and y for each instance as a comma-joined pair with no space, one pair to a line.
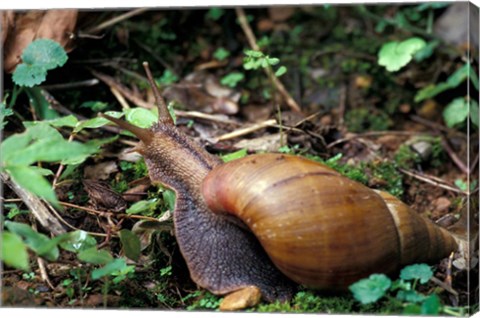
459,76
423,272
232,79
371,289
410,296
130,243
29,75
93,256
455,112
431,305
32,181
78,241
474,112
13,251
113,266
96,122
66,121
44,52
234,155
395,55
39,243
4,112
169,198
141,117
273,60
221,54
281,70
38,57
141,206
427,51
430,91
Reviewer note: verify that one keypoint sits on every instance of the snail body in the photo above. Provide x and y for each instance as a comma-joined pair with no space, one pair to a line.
270,220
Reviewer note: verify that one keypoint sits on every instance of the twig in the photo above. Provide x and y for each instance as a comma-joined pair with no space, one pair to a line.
252,41
61,167
200,115
86,83
246,130
71,226
43,272
107,214
115,20
431,181
376,133
41,265
119,98
35,205
463,167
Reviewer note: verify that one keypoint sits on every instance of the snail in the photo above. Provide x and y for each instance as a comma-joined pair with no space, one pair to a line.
274,221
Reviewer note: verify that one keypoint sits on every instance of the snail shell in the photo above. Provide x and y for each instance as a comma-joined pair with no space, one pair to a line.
318,227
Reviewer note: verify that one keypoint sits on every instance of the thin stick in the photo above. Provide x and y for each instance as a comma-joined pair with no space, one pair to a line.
200,115
99,213
377,133
62,86
163,113
247,130
119,98
462,166
430,181
252,41
115,20
71,226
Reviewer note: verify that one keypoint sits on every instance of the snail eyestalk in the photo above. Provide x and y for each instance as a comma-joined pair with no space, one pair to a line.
163,114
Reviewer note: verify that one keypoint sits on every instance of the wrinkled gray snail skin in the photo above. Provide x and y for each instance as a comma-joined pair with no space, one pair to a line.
275,221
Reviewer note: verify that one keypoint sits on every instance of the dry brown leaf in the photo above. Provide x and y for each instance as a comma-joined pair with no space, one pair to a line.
25,27
280,14
7,22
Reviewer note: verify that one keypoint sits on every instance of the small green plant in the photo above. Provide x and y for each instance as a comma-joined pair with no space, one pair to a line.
167,78
205,300
221,54
4,112
40,143
372,289
395,55
215,13
256,59
232,79
38,58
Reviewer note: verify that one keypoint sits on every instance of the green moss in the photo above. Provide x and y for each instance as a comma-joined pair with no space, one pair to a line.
406,158
387,172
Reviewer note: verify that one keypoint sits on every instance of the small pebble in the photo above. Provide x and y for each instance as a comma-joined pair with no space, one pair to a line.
241,299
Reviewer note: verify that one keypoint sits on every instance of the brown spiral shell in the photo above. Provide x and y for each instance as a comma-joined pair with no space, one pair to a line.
320,228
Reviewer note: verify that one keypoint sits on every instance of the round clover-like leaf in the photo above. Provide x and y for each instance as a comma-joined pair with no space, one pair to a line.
46,53
423,272
370,289
29,75
395,55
